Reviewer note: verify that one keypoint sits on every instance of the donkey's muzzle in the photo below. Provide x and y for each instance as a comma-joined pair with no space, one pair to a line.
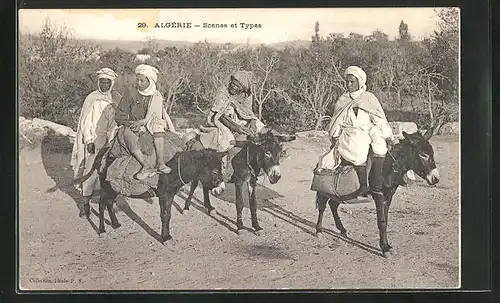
432,177
274,174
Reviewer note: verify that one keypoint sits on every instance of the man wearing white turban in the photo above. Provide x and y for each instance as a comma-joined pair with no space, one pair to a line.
96,127
149,105
359,121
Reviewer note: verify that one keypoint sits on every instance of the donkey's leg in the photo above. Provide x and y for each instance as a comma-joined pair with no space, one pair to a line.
102,205
252,200
334,205
110,195
114,221
85,210
377,188
381,205
388,200
239,204
165,214
194,184
321,205
206,200
388,194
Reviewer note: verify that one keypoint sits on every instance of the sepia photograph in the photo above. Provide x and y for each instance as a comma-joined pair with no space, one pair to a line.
239,149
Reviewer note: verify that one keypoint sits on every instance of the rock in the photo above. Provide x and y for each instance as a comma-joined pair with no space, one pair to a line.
450,128
312,134
57,128
33,131
399,127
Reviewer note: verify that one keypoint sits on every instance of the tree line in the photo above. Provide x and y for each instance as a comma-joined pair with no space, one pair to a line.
294,88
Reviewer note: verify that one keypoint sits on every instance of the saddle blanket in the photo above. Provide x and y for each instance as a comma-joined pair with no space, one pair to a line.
121,172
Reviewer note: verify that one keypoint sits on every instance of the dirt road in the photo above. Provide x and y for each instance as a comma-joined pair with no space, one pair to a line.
59,250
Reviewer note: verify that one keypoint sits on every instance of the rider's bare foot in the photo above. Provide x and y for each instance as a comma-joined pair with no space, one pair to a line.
164,169
144,173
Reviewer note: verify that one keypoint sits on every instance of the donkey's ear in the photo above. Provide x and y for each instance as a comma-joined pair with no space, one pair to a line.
411,137
257,139
428,134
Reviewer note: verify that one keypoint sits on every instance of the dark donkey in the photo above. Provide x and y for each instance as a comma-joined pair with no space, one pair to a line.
415,153
200,165
258,153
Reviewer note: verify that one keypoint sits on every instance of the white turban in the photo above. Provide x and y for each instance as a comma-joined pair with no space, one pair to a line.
361,76
358,73
106,73
152,74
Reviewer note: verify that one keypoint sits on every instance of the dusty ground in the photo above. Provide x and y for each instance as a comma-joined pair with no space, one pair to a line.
58,250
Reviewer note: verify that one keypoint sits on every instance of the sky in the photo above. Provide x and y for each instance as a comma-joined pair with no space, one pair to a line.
276,25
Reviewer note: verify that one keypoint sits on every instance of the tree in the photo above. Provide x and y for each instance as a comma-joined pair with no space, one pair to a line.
446,44
207,73
404,34
173,76
262,69
151,47
378,36
316,37
54,74
315,87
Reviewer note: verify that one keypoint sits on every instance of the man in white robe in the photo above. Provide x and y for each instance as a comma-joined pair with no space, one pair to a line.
96,127
358,122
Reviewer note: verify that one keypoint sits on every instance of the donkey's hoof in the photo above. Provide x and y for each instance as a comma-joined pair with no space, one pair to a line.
185,210
115,226
319,235
85,211
166,239
256,227
210,209
343,234
387,251
102,231
239,227
389,254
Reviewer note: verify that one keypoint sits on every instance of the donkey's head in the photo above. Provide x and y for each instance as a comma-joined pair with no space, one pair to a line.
269,147
211,167
421,160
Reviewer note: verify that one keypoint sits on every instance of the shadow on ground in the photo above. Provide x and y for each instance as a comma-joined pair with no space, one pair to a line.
56,157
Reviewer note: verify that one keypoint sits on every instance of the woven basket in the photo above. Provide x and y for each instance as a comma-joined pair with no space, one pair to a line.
339,182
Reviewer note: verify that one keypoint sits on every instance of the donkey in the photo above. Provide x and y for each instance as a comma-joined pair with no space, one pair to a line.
415,153
258,153
187,166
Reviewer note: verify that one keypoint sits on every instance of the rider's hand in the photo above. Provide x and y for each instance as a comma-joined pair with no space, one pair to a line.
91,148
136,125
390,143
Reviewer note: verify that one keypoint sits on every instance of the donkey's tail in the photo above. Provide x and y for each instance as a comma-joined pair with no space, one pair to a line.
95,166
97,162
